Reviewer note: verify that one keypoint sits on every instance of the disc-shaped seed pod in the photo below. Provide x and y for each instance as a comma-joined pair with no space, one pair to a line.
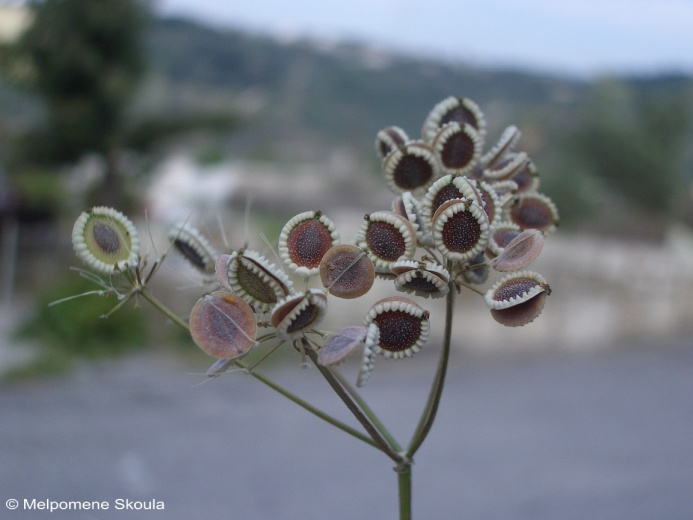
402,324
370,350
106,240
506,143
448,187
298,313
491,202
341,345
407,206
505,168
347,272
253,278
453,109
461,231
304,240
411,167
534,211
527,178
476,271
520,252
502,233
427,279
518,298
223,325
389,139
505,190
386,237
194,247
458,147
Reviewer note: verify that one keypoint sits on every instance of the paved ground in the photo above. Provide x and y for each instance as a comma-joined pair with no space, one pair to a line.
605,436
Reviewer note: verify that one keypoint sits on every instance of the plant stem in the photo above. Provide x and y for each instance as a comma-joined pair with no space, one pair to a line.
404,486
429,413
367,410
161,307
353,408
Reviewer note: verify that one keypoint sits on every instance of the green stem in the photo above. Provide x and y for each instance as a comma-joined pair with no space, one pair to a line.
353,408
309,407
161,307
404,485
164,310
367,410
429,413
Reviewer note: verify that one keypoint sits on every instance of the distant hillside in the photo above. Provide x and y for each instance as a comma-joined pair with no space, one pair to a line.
602,147
344,91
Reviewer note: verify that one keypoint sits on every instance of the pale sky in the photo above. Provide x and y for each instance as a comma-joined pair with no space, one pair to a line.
578,37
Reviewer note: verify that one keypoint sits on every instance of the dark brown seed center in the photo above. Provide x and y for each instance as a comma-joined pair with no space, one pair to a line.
106,238
190,253
461,232
412,171
419,283
445,194
385,241
398,330
460,114
304,319
512,288
458,151
531,214
308,242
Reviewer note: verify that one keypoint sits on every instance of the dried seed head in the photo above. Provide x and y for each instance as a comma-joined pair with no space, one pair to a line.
517,298
454,109
505,168
389,139
411,167
223,325
426,279
461,231
106,240
520,252
502,233
370,350
491,202
341,344
402,324
476,270
407,206
194,247
527,178
347,272
458,146
386,237
508,140
253,278
298,313
304,240
534,211
448,187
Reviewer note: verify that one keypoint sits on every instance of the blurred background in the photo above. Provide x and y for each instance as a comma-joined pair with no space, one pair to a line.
237,117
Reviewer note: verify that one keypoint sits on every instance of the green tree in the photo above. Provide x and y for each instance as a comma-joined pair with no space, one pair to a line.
632,139
84,60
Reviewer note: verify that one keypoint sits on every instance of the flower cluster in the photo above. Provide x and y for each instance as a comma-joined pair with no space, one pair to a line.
464,213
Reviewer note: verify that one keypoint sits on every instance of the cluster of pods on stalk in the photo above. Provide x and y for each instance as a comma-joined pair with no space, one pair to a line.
459,214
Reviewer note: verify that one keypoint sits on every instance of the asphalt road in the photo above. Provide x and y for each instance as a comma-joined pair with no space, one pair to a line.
605,436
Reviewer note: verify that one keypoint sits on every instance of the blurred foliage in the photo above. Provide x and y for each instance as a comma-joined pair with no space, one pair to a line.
75,328
633,140
84,60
